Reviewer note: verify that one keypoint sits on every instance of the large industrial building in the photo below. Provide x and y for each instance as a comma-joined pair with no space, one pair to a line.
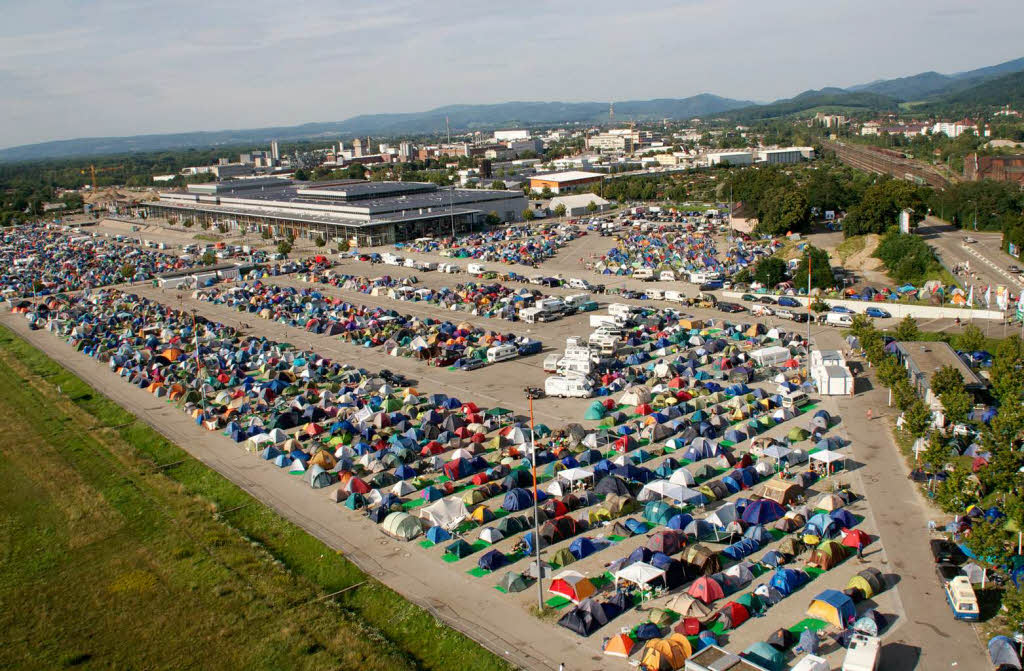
565,182
367,213
1000,168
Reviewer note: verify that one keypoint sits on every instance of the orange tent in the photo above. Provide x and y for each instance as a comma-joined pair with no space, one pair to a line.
619,645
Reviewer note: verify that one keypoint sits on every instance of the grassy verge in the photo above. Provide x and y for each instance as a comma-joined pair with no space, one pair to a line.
851,246
122,564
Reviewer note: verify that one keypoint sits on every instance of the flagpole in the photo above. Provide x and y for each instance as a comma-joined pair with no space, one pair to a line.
809,318
536,517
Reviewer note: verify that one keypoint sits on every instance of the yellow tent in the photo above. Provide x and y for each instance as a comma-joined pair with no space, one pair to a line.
666,654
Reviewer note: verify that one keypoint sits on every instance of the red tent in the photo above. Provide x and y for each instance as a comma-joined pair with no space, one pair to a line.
480,478
644,409
705,589
854,537
357,486
733,615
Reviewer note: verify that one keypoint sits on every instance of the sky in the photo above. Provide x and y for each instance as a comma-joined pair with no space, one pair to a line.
74,68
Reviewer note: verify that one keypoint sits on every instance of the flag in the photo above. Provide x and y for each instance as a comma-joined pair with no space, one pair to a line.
988,297
970,297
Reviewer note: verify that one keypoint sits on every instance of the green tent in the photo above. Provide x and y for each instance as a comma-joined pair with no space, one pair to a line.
355,501
513,582
595,411
562,558
796,434
460,549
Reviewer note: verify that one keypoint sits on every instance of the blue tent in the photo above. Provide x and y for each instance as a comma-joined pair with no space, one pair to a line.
517,499
840,608
773,559
583,547
1003,652
404,472
823,526
646,632
282,461
788,580
492,560
636,526
763,511
437,535
844,518
641,554
758,534
735,435
270,452
679,521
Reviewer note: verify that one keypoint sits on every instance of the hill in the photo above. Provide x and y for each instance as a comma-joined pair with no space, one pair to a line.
934,84
460,118
1005,90
829,98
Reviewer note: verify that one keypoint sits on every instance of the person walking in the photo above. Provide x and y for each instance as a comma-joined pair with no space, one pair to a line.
869,414
860,549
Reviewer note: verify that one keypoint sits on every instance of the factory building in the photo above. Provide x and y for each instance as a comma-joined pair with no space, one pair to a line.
730,157
370,213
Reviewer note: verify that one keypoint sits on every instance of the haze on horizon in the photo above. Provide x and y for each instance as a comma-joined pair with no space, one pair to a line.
74,69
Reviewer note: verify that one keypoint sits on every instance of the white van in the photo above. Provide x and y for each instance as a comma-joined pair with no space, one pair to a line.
410,263
551,362
475,269
645,274
502,353
667,276
577,283
655,294
676,296
576,300
838,319
391,259
621,310
794,400
700,277
568,387
612,321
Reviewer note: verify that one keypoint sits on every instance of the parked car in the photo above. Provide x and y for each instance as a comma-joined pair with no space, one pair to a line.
946,552
471,363
877,312
841,309
766,300
969,240
784,314
788,302
731,307
800,317
750,298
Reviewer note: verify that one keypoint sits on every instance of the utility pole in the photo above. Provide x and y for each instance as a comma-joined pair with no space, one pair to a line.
809,317
536,518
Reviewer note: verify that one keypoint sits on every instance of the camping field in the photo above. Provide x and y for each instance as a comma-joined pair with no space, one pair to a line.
117,549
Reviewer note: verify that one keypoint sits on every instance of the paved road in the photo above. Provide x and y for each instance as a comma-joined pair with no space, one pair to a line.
987,261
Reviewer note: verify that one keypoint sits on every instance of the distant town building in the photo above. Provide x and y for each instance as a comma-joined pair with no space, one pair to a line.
785,155
829,120
730,157
511,135
1008,168
565,182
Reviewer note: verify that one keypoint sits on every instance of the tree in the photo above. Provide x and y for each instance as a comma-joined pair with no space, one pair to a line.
988,541
321,241
917,418
301,175
500,185
492,218
545,192
1013,606
1001,438
73,201
343,245
528,214
560,210
880,206
957,491
284,247
956,404
266,234
209,258
907,330
890,372
903,394
821,270
1007,373
770,271
591,207
971,340
937,453
945,379
784,210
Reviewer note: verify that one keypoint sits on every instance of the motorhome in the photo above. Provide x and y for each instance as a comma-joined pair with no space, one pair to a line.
501,353
702,276
568,387
597,321
862,654
622,310
643,274
552,306
391,259
577,283
605,343
551,362
475,269
576,300
675,296
667,276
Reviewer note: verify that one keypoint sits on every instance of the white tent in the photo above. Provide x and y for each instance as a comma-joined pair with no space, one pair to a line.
667,489
636,395
490,535
828,456
723,515
402,488
682,477
639,573
446,513
775,451
575,475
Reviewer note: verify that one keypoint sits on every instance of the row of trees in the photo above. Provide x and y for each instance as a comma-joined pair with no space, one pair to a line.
907,257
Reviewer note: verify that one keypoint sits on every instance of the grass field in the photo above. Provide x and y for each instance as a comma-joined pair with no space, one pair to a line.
111,561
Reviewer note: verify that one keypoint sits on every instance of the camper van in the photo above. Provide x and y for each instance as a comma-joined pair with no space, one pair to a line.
568,387
576,300
555,307
606,343
838,319
667,276
644,274
568,366
475,269
391,259
622,310
597,321
501,353
675,296
551,362
702,276
862,654
961,598
577,283
794,400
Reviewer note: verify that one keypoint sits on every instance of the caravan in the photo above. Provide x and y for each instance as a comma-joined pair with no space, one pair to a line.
568,387
475,269
502,353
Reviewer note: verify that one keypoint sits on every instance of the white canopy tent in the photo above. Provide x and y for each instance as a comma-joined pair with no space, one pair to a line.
446,513
639,573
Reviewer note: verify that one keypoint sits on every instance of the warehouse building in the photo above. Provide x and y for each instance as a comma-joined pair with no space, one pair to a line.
565,182
730,157
578,205
368,213
923,359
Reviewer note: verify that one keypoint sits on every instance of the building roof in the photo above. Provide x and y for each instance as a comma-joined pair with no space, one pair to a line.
568,176
928,357
578,200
